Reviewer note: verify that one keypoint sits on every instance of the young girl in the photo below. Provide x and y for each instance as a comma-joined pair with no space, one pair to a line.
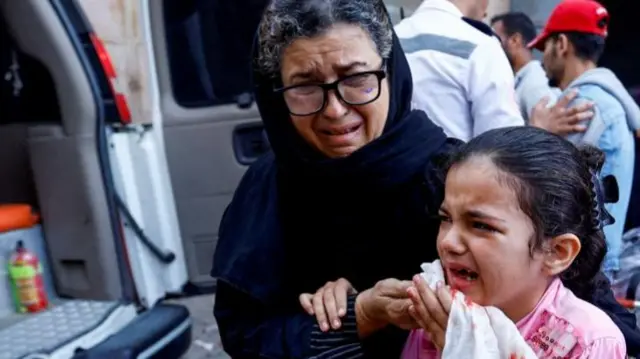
521,230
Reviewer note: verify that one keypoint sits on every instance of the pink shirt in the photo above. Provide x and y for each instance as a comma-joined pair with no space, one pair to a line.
561,326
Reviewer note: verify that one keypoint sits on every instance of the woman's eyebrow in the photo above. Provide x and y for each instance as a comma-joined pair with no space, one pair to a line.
349,66
303,75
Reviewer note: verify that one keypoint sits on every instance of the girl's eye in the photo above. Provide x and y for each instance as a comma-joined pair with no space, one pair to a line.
443,218
483,227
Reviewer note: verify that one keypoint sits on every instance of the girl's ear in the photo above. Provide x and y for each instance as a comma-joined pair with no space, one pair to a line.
562,251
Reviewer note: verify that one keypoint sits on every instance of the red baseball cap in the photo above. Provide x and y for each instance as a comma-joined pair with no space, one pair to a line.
586,16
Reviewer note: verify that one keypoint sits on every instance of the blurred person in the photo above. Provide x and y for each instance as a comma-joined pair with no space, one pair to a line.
573,40
516,30
462,78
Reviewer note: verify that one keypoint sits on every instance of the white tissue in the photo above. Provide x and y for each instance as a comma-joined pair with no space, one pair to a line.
432,273
477,332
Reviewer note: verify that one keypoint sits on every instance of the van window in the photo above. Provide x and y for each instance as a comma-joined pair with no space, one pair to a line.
209,47
27,90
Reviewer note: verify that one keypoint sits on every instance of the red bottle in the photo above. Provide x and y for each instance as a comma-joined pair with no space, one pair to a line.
26,277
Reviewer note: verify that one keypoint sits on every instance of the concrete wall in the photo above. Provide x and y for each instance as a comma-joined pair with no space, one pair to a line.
116,22
497,7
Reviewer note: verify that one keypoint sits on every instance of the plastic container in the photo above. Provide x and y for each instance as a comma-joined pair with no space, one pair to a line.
19,223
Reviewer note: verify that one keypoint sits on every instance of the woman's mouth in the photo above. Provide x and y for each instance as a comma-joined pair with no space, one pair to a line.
343,136
341,131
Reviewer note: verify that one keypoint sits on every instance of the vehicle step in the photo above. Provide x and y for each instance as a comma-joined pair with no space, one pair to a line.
163,331
59,331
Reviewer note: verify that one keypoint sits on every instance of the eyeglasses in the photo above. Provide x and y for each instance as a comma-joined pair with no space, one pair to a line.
357,89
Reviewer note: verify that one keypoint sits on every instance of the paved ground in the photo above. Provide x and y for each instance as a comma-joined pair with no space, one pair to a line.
206,342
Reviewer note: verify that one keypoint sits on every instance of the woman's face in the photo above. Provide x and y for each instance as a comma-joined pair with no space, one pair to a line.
339,129
484,240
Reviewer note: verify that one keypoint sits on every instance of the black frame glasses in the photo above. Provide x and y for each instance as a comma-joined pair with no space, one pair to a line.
335,86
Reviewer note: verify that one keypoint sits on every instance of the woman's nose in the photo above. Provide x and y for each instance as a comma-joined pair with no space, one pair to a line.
335,109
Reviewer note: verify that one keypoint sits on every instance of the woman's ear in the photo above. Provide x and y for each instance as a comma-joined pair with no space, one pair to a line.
562,251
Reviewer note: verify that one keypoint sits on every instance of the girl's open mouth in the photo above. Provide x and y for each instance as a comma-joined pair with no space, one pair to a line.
461,279
466,274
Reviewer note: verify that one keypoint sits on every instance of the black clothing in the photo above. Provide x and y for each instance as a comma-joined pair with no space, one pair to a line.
299,220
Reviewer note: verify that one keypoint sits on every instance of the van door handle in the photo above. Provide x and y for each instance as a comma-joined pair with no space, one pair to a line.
249,143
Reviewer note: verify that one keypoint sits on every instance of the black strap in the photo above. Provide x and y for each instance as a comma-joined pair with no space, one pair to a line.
481,26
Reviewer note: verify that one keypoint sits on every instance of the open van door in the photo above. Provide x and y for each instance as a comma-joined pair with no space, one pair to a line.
204,111
67,152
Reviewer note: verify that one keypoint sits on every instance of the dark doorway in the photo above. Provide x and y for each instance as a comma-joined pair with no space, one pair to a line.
622,56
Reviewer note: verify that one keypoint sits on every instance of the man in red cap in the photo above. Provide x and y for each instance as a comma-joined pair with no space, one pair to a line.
572,41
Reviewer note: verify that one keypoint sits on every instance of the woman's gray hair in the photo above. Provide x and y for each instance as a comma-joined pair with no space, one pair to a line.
287,20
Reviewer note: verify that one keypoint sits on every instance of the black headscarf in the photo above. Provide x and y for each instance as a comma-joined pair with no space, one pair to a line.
295,207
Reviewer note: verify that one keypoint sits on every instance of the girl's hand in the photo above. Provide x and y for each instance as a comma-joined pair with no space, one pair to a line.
431,309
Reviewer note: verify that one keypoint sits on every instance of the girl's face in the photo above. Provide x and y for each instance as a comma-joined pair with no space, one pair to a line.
484,240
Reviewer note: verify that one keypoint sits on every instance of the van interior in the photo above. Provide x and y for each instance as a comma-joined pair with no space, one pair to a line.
50,164
48,146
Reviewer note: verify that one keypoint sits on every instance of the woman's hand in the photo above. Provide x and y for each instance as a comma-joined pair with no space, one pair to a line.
431,309
329,303
386,303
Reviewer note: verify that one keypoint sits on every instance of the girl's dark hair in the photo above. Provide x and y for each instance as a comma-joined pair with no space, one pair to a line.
553,180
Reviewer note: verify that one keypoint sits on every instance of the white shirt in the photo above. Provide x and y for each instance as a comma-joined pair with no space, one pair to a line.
532,85
461,76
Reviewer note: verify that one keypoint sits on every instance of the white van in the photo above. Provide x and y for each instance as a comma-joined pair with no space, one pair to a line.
66,149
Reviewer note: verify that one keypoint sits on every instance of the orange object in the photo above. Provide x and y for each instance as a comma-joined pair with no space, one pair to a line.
17,216
628,303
